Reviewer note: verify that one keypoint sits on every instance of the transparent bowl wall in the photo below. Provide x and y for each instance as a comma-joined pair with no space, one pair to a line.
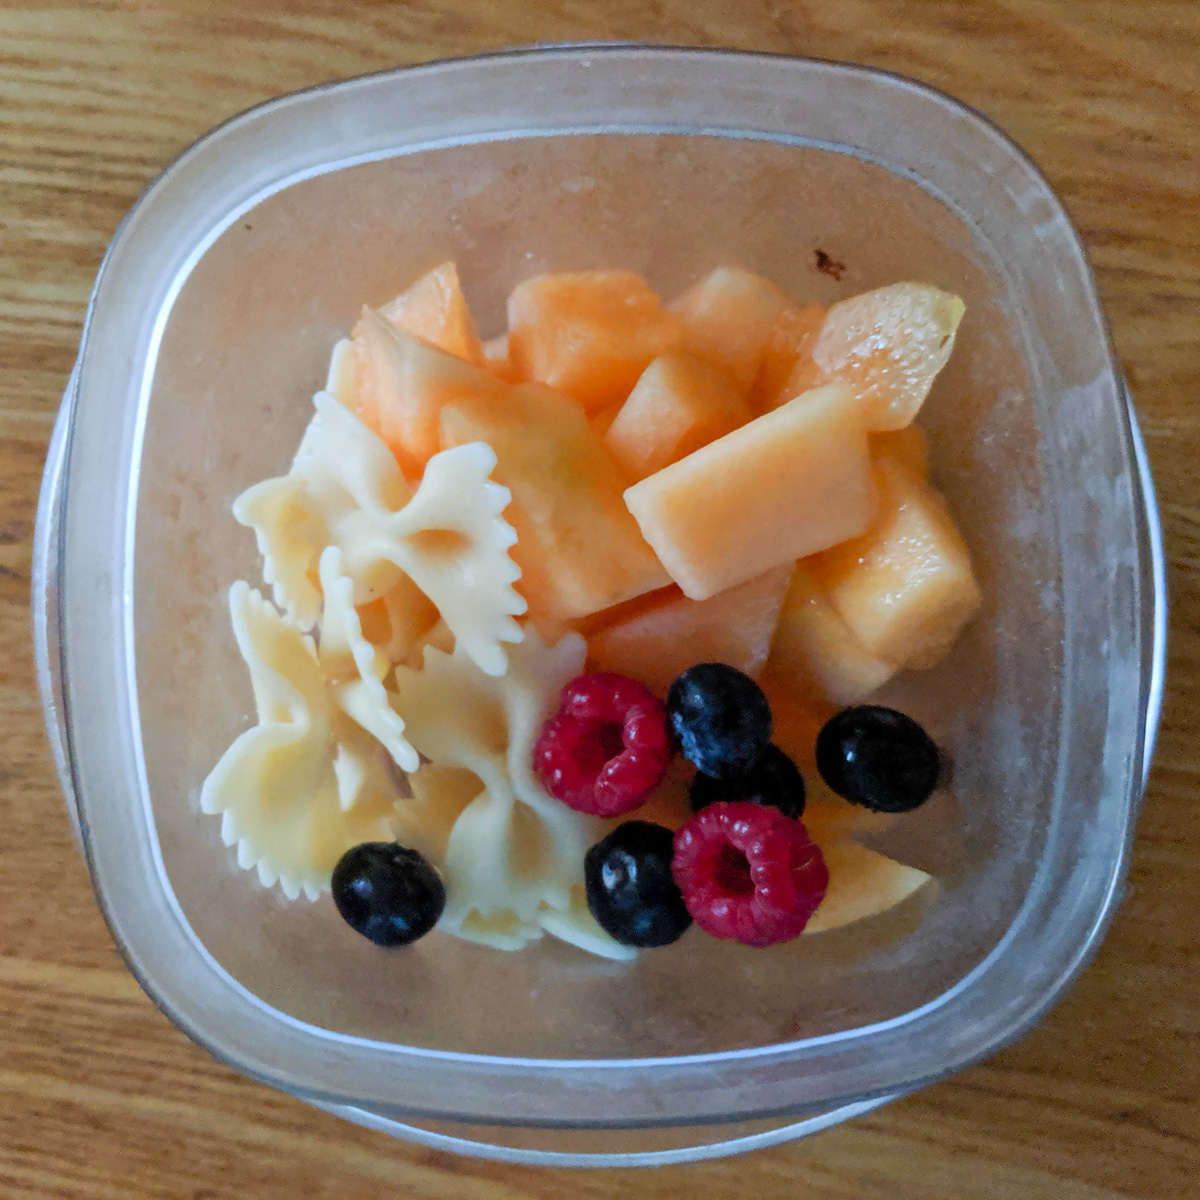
211,327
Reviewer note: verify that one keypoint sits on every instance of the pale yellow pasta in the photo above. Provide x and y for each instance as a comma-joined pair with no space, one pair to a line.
345,489
401,620
340,382
353,668
306,783
511,855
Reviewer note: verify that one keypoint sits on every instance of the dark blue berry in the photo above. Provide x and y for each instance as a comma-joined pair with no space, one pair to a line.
878,757
630,889
721,718
388,893
774,780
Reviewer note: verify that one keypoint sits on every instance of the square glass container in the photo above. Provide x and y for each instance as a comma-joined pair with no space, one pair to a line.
208,331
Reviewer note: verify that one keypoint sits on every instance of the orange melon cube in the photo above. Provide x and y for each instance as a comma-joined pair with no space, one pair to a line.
862,883
578,548
496,358
734,627
601,422
888,345
729,317
909,446
679,404
401,384
587,333
435,310
905,587
792,338
788,483
812,641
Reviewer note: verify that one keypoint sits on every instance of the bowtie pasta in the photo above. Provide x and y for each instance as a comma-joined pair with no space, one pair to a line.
511,855
345,489
309,781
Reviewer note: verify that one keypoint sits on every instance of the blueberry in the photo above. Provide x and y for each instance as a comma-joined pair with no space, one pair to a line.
388,893
630,889
878,758
774,780
721,717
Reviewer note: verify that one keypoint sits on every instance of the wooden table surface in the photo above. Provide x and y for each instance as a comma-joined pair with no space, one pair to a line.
100,1097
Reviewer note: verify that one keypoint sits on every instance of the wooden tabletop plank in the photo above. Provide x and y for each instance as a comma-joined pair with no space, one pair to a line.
100,1097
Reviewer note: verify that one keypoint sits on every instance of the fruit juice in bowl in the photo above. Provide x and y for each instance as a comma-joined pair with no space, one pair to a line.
212,326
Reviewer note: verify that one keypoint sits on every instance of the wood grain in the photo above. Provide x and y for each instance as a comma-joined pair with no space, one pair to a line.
100,1098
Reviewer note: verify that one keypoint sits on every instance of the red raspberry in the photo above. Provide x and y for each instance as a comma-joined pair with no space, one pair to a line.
748,872
606,748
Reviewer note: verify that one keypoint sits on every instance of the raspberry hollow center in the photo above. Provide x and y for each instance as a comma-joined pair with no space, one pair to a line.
733,872
611,739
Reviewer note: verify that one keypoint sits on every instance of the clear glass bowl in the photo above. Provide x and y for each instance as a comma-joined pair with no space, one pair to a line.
209,329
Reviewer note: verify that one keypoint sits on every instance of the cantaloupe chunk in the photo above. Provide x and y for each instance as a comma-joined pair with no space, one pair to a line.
679,404
435,310
794,333
813,642
587,333
578,548
908,445
734,627
905,587
729,317
888,345
401,384
496,358
862,883
786,484
601,422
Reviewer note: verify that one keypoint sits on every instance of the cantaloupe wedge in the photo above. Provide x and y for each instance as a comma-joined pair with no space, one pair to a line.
679,404
435,310
497,359
786,484
587,333
905,587
601,422
862,883
888,345
578,548
402,382
729,317
734,627
813,642
792,338
909,446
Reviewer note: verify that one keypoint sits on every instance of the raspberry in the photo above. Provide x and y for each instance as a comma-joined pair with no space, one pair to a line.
749,873
606,749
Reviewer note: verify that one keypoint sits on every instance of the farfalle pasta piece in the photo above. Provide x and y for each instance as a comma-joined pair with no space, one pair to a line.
345,489
340,380
399,621
353,668
511,855
306,783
